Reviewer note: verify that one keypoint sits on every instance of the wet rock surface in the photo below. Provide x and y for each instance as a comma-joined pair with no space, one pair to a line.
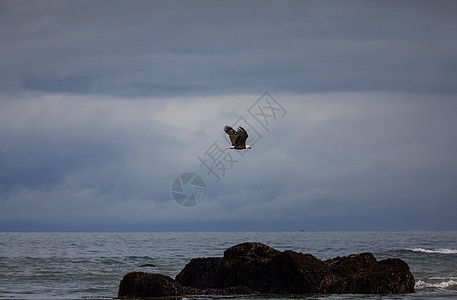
151,285
200,273
145,285
251,268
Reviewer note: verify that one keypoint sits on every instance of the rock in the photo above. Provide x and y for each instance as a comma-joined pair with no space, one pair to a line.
344,266
251,268
362,274
149,285
234,290
394,277
200,273
145,285
268,270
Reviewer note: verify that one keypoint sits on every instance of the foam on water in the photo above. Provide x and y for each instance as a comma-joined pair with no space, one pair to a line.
443,278
440,251
445,285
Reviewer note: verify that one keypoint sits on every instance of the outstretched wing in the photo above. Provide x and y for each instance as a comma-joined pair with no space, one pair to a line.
232,134
242,135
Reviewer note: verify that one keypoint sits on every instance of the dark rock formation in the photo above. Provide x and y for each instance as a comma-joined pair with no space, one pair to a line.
268,270
362,274
234,290
144,285
148,285
200,273
253,267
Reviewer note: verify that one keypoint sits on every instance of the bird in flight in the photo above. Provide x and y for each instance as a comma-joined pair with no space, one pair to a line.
238,138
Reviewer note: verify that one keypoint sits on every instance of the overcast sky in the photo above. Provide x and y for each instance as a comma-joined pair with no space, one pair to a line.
104,103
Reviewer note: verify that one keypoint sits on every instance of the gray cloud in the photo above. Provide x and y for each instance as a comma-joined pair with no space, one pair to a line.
181,48
335,161
103,104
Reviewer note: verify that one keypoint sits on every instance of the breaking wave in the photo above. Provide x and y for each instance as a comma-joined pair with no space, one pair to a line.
443,278
441,251
449,284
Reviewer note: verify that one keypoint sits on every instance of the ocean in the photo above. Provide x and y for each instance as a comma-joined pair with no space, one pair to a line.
91,265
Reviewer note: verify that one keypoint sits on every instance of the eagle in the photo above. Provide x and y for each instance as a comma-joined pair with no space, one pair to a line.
238,138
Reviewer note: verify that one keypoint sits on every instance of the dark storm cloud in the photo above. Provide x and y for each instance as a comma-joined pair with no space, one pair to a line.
335,161
350,160
104,103
48,141
159,48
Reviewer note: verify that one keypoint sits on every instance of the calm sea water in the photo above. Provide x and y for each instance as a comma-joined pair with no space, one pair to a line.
91,265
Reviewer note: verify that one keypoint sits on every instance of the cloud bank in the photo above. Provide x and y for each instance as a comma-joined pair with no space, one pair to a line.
103,104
